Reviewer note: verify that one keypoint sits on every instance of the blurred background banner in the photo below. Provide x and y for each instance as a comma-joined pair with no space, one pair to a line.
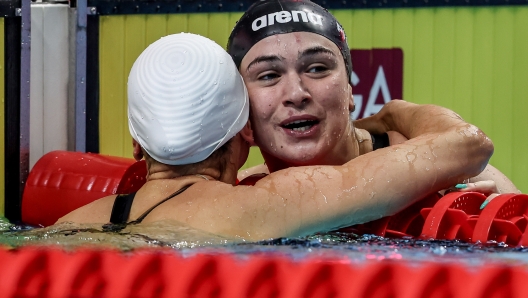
377,78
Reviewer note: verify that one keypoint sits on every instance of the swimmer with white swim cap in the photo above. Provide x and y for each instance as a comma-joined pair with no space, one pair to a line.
295,61
185,99
188,110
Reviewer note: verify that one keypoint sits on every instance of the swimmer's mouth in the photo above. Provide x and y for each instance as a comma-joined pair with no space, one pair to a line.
300,125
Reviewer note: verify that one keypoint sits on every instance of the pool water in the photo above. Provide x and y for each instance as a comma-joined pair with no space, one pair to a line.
338,245
68,235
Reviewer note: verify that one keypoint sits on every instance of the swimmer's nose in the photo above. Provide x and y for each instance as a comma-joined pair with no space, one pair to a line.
296,93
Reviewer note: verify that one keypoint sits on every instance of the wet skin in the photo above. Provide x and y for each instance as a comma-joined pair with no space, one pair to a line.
300,101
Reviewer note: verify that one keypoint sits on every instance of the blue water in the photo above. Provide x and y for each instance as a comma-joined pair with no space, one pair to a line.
336,245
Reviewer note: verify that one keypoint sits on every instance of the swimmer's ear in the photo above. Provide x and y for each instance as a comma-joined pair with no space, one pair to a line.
137,152
247,134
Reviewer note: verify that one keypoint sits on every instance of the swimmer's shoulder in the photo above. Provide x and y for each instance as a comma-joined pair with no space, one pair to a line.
97,211
251,180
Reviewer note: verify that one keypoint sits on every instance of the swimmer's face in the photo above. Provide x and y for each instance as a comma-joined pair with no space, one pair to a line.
300,97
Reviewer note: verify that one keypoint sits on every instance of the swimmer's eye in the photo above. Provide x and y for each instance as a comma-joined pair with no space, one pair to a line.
317,69
268,76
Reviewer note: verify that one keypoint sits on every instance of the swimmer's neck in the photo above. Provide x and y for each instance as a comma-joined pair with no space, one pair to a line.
160,171
355,144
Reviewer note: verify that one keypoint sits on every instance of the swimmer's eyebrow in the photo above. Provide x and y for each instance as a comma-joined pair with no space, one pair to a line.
269,58
315,51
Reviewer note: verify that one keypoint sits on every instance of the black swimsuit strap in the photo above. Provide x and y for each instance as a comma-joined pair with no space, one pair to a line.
121,208
380,141
146,213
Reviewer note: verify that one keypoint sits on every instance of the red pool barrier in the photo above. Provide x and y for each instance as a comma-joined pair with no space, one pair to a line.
453,216
504,220
51,272
62,181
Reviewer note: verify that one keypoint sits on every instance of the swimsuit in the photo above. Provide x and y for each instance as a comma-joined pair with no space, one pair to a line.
121,210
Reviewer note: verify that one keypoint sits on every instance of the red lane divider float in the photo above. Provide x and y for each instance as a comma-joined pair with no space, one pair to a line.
453,216
33,272
457,215
62,181
504,220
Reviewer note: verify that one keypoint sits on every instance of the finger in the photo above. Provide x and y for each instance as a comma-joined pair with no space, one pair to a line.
488,199
486,187
460,186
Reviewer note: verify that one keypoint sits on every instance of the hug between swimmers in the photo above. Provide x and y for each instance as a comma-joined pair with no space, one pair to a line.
188,110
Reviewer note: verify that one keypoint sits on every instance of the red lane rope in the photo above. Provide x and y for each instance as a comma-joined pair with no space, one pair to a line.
52,272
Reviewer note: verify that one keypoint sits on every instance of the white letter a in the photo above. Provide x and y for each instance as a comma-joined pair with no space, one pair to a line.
380,83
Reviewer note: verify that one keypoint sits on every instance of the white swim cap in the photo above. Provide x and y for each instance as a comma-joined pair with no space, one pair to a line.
185,99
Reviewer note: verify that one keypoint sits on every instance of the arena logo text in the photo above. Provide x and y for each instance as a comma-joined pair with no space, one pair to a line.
286,17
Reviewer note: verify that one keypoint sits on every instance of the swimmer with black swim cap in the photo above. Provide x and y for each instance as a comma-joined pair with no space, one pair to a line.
299,49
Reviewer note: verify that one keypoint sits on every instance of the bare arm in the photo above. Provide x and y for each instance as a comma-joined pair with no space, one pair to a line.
303,200
492,180
411,120
501,183
401,123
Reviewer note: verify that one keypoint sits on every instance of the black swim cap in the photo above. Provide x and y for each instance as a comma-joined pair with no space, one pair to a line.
271,17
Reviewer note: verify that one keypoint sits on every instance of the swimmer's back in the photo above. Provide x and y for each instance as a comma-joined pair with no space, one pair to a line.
100,211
